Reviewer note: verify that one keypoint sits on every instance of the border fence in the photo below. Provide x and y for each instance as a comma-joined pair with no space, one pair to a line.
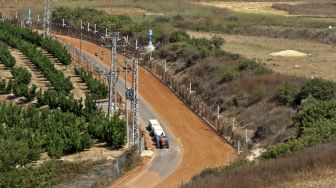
225,127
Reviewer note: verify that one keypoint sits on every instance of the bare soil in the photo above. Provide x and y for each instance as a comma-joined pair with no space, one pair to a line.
121,10
202,148
249,7
4,72
99,151
321,62
38,78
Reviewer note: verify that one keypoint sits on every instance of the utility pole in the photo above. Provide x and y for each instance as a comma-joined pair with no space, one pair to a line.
46,19
80,50
218,115
190,91
2,10
126,70
113,76
63,23
135,131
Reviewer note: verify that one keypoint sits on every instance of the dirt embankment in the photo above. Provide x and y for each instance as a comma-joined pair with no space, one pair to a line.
202,148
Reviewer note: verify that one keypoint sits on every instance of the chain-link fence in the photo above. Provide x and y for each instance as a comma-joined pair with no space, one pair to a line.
225,127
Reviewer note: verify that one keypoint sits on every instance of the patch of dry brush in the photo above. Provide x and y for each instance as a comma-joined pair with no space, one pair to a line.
267,173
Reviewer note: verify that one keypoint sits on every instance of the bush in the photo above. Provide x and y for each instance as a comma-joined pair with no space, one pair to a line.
179,36
97,89
21,75
229,73
56,77
316,121
6,86
45,175
287,92
20,90
217,41
32,93
5,57
318,88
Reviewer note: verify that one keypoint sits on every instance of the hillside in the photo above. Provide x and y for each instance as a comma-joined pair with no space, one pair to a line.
312,167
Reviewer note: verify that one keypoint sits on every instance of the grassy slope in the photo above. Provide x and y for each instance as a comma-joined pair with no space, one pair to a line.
311,164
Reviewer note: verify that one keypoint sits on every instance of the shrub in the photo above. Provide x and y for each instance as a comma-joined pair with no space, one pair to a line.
5,57
21,75
217,41
179,36
32,93
317,123
229,73
97,89
20,90
287,92
318,88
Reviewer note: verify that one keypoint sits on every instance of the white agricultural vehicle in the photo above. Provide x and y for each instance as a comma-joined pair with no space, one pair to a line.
160,136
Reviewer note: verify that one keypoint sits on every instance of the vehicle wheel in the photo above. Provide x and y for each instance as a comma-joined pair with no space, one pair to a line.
167,144
161,146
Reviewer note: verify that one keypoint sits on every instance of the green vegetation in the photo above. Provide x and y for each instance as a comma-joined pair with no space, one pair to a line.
317,124
103,20
73,15
318,88
56,77
6,86
65,127
5,57
190,49
287,93
191,16
316,117
48,174
97,89
51,45
314,161
21,75
31,131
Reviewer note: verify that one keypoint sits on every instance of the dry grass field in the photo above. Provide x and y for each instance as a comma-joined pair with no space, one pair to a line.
320,61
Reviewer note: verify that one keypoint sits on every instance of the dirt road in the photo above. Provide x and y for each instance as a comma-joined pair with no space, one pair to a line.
201,147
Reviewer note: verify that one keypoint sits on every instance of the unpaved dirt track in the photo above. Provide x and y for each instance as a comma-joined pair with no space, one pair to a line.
201,147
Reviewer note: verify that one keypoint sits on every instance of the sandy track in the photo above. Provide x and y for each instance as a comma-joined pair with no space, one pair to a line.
201,147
